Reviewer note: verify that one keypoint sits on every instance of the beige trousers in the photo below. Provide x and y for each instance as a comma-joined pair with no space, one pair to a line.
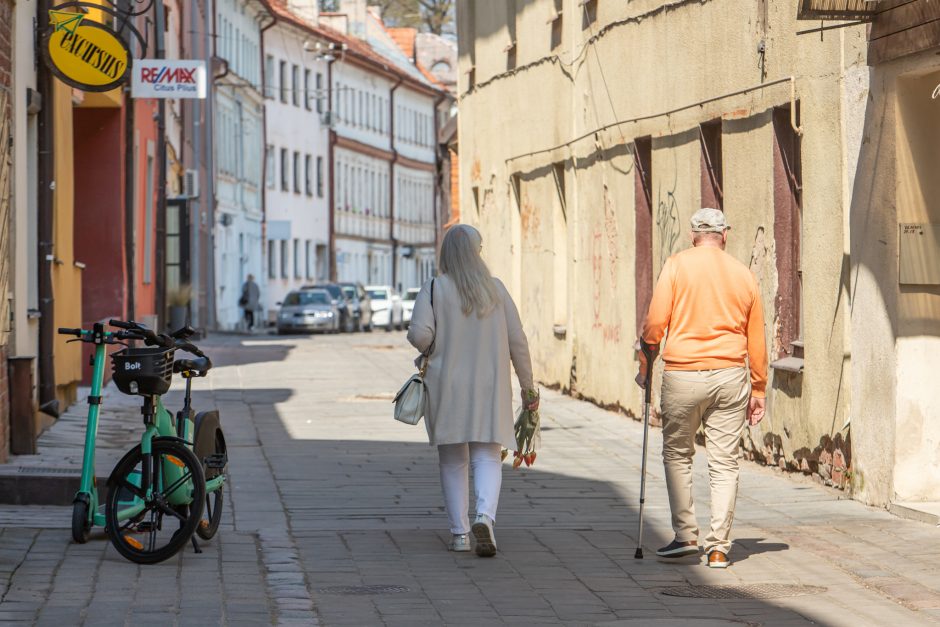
718,399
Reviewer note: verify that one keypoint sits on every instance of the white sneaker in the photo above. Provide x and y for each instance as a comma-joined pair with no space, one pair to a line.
460,543
482,530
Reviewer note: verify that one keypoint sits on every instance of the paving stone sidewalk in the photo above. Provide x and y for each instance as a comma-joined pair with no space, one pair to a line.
334,516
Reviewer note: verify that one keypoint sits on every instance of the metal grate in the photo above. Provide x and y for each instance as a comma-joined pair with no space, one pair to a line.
44,470
363,590
743,591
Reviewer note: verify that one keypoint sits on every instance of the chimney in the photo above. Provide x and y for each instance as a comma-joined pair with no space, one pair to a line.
304,9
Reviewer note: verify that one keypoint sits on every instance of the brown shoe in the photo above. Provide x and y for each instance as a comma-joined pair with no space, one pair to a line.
717,559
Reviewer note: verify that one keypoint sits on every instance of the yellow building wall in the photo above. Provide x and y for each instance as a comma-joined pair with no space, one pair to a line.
66,277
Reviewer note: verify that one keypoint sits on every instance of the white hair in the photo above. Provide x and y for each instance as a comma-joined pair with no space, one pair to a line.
461,261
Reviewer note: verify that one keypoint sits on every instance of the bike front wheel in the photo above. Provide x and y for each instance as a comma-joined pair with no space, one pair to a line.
148,526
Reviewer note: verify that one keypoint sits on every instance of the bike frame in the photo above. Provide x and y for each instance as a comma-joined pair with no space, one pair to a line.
158,423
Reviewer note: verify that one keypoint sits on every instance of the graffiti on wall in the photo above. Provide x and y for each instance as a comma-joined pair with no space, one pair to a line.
610,332
667,223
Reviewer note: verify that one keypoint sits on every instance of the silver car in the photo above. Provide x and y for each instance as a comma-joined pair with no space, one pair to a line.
308,310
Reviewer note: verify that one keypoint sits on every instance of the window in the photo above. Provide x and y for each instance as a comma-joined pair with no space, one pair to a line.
307,90
309,261
297,273
643,203
788,188
283,81
285,259
272,260
511,46
319,94
295,85
557,26
308,182
710,135
338,107
269,88
269,165
296,172
319,177
285,171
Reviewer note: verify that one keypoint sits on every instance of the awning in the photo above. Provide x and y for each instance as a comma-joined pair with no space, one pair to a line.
836,9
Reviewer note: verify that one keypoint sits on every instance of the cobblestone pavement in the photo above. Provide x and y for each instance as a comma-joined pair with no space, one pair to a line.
334,517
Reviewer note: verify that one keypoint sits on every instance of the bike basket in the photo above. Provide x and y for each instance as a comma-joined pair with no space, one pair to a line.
143,371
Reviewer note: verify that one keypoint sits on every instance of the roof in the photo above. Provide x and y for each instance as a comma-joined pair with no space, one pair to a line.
385,56
405,38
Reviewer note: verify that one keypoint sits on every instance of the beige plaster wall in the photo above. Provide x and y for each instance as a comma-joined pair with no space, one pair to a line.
666,72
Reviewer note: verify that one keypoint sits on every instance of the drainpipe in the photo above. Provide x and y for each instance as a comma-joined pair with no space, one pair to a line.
129,205
160,262
48,404
210,166
331,150
391,182
438,171
264,145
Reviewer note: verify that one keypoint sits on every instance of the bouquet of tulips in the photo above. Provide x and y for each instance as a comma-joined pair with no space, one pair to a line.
528,431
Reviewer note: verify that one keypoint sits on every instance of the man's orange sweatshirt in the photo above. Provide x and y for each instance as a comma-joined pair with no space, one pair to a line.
710,304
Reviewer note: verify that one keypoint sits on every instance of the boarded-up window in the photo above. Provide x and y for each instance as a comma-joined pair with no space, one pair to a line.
643,202
836,9
788,187
710,134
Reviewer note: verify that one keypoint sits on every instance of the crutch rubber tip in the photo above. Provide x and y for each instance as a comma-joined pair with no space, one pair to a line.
639,554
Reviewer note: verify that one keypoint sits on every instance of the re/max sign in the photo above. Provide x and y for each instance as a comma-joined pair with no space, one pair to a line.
162,78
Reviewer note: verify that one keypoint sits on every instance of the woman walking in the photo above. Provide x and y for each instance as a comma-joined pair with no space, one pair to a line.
472,331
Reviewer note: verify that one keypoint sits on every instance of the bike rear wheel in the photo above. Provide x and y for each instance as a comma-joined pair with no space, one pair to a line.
212,466
149,528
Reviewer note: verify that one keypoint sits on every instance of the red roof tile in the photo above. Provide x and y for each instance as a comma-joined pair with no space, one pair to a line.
405,38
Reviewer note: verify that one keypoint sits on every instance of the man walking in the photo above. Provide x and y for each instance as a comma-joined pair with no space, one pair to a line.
710,304
249,300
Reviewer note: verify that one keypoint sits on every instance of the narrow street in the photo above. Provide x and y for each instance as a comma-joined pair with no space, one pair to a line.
334,517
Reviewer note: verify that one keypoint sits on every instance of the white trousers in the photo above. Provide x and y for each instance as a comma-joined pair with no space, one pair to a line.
455,459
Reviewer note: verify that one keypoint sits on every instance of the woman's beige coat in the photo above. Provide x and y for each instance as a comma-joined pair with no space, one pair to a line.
469,378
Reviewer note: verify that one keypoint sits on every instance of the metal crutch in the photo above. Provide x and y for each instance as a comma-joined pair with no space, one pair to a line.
647,389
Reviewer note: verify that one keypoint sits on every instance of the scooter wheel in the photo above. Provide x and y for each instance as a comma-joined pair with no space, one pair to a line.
81,528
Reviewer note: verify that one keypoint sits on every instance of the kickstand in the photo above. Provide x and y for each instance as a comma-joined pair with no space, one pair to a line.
196,545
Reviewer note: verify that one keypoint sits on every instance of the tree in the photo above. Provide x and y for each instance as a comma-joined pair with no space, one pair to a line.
432,16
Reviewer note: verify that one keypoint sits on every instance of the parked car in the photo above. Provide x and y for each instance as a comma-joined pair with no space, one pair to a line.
346,322
408,304
361,305
308,310
386,307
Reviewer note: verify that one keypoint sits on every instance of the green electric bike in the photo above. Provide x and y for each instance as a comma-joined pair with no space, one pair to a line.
170,486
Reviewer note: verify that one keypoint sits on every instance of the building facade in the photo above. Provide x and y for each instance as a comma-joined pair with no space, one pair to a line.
238,142
384,158
616,121
297,153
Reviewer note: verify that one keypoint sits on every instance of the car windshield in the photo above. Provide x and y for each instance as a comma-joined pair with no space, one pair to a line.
378,294
350,292
410,295
335,290
315,297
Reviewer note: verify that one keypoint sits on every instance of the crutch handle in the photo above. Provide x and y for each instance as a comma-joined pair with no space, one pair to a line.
649,352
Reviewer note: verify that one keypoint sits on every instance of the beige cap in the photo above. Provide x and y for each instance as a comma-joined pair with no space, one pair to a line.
709,220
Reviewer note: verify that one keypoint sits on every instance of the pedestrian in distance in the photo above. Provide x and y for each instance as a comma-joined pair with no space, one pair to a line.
468,322
715,375
249,301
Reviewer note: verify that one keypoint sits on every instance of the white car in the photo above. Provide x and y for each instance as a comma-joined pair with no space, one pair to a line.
387,308
408,304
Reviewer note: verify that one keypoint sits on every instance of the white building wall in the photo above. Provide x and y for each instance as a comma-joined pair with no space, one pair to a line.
24,269
239,157
296,187
361,105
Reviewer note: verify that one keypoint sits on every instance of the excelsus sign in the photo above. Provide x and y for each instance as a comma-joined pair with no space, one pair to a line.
160,78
